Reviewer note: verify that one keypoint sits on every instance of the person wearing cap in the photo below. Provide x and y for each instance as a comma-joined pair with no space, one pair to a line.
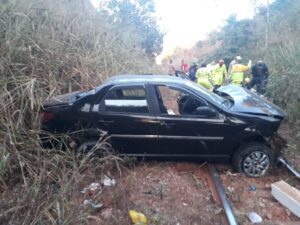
236,75
203,77
218,74
260,75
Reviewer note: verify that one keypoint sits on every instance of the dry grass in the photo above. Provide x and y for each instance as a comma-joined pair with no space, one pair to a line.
284,82
48,48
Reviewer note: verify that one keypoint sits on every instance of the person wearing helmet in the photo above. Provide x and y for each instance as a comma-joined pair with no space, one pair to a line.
236,75
219,73
203,77
260,75
234,61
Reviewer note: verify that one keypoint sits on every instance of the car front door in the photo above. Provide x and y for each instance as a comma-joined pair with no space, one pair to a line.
183,132
124,112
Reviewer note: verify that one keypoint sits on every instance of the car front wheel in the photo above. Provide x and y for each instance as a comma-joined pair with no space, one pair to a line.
253,159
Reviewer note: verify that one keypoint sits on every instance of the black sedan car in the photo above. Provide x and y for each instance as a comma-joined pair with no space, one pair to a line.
164,116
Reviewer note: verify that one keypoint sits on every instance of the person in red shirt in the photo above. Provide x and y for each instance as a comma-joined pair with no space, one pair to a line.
184,67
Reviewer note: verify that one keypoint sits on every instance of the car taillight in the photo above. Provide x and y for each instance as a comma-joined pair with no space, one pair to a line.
47,116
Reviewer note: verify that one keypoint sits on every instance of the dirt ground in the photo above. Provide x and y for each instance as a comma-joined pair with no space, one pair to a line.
179,193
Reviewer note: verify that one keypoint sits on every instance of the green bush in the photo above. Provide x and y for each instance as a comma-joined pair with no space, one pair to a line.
284,82
47,48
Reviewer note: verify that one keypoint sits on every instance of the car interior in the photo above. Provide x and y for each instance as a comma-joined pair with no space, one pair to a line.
176,102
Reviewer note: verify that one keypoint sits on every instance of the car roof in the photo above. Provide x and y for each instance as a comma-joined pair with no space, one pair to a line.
131,79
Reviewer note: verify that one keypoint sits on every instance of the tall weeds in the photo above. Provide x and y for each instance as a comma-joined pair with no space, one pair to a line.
47,48
285,80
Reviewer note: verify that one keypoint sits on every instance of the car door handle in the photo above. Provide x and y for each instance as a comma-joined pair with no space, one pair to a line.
106,121
164,123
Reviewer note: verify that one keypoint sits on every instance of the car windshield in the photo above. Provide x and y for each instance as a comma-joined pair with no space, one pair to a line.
209,95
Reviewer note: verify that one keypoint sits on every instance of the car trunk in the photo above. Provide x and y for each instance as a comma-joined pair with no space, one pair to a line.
60,100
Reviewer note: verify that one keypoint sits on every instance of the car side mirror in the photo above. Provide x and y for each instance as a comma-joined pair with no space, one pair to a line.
205,111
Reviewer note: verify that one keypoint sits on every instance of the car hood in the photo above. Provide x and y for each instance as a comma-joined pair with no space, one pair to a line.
245,101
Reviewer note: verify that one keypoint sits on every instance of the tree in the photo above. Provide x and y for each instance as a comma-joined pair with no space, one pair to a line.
236,37
138,17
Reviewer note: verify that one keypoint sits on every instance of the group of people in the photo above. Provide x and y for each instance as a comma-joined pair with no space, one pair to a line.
214,75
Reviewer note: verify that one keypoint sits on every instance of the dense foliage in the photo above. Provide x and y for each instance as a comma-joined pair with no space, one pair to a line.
47,48
138,17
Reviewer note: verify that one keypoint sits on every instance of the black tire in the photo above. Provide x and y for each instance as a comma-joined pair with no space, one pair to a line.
253,159
88,146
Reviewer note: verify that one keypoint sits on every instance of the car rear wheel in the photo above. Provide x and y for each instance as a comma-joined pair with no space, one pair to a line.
95,147
253,159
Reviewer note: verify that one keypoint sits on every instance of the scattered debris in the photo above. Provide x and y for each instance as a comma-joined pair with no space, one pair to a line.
107,213
229,173
218,211
91,188
87,202
261,204
254,217
198,182
252,188
107,181
137,218
287,196
230,189
269,216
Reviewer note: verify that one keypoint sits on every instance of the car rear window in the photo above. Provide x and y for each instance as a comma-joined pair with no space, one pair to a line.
126,100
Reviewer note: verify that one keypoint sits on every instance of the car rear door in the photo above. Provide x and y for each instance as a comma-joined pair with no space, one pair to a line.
125,113
184,134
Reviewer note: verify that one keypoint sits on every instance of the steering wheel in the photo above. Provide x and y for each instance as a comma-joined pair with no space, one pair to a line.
183,102
187,104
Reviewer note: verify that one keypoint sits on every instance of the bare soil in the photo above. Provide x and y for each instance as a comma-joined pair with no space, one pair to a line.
179,193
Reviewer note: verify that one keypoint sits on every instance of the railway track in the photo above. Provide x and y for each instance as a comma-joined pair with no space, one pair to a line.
219,196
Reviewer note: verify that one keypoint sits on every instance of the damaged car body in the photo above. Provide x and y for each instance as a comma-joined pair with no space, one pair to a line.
163,116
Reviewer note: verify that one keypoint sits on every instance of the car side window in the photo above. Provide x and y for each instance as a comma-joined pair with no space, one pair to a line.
173,101
126,100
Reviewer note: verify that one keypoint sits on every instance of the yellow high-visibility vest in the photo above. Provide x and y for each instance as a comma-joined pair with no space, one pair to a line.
218,74
237,73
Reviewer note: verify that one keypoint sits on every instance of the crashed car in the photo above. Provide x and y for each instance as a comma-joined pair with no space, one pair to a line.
165,116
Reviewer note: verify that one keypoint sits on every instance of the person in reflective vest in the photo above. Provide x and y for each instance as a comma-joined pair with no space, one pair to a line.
234,61
218,74
236,75
203,77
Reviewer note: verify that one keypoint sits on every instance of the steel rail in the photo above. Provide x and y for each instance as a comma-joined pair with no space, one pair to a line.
284,161
225,203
